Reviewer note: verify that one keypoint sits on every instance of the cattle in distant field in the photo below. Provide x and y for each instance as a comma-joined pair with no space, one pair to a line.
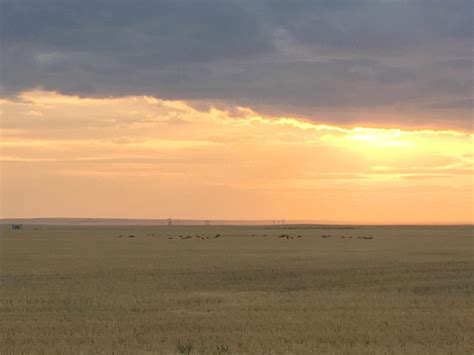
17,226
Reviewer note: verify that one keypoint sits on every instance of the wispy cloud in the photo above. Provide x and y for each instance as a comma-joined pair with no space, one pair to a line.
93,150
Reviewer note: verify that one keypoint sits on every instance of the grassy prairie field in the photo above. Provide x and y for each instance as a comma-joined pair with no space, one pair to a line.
65,289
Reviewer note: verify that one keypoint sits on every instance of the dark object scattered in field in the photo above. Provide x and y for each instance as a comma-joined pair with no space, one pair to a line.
368,237
217,236
319,227
170,237
119,236
131,236
184,348
326,236
298,236
222,349
341,236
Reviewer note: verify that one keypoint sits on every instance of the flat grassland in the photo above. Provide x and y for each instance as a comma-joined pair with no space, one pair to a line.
73,290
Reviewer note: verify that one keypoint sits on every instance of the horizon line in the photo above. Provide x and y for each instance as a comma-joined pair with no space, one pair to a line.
212,222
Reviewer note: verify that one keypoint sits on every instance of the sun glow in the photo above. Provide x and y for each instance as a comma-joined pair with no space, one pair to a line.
168,151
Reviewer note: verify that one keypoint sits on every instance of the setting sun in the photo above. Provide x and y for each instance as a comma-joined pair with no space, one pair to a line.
154,149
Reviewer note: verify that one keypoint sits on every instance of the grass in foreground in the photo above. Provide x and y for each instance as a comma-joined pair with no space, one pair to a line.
84,289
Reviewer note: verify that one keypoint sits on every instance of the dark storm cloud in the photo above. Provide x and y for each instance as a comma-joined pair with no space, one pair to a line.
377,26
297,56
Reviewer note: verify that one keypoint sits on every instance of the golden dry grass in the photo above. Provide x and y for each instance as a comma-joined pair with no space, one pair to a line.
83,289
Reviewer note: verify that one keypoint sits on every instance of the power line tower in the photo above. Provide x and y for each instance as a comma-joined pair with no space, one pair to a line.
170,221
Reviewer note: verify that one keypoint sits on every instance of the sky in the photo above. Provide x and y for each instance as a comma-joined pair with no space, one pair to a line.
340,111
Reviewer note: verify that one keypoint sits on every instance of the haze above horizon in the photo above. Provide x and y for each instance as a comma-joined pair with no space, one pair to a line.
348,111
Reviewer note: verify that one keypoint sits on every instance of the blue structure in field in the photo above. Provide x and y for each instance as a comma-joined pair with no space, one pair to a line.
17,226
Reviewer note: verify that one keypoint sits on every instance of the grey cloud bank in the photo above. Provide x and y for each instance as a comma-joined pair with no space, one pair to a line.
292,57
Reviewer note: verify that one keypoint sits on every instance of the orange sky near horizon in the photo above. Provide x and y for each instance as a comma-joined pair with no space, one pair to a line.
142,157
